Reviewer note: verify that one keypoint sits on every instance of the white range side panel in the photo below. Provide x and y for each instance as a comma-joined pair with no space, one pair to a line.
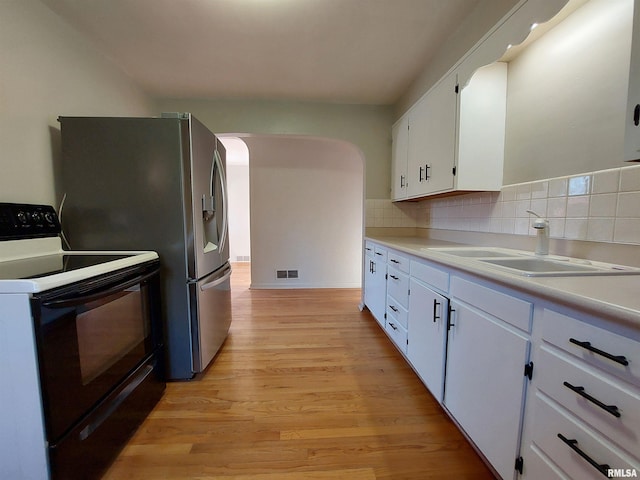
483,113
23,450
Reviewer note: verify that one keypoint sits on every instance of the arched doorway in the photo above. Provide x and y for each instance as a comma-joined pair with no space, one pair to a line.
306,211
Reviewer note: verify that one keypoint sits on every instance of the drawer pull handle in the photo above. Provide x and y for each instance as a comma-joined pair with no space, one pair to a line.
394,260
394,277
612,409
393,326
393,308
621,359
573,444
435,310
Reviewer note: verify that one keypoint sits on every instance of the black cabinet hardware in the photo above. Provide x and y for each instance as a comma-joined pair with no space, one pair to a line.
528,370
394,277
427,167
519,464
393,308
573,445
621,359
421,169
636,115
449,324
393,260
435,310
393,326
612,409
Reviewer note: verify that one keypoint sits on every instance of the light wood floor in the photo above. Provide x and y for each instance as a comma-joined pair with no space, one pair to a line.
305,387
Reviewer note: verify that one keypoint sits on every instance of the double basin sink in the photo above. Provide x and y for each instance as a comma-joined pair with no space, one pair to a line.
531,265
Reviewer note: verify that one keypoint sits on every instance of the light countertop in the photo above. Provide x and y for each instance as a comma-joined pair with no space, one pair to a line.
616,297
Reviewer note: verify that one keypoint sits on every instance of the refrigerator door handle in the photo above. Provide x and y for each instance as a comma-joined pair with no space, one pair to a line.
223,182
217,281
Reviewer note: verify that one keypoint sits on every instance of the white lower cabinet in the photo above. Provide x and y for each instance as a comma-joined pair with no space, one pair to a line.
584,407
375,282
485,383
543,394
427,332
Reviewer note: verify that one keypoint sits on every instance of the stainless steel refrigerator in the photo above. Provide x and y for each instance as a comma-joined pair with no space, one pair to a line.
156,184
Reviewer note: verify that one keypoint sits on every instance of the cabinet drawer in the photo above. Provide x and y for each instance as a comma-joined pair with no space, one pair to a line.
398,286
510,309
398,261
594,392
554,422
595,345
397,333
379,252
538,467
430,275
397,311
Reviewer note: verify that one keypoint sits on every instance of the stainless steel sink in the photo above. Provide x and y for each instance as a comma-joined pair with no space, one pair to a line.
478,252
539,267
521,262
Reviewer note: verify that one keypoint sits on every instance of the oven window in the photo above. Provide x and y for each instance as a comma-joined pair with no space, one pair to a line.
108,330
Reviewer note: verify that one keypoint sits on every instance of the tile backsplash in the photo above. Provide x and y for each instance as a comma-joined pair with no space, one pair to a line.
602,206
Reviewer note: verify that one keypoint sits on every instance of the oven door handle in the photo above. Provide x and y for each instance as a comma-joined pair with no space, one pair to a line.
75,301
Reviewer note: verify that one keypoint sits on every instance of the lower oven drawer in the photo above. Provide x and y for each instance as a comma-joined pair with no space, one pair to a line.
90,447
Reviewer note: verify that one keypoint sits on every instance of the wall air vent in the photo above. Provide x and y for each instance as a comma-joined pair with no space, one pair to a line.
286,273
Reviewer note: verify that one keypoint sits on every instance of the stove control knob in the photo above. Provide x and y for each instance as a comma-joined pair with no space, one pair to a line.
22,217
50,218
36,217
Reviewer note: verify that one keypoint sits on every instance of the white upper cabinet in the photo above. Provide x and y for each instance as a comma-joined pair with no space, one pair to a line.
483,106
632,121
432,128
400,138
456,131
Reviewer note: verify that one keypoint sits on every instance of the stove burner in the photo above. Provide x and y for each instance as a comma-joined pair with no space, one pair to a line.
45,265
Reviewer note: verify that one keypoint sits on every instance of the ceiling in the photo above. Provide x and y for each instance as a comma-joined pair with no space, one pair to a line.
345,51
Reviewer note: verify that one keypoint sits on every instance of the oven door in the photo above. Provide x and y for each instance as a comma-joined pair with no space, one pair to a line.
90,337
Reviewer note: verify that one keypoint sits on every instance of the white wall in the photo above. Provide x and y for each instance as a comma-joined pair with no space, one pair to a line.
238,191
48,69
567,95
306,211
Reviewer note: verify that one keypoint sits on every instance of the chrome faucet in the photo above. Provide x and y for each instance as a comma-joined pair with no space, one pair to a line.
542,226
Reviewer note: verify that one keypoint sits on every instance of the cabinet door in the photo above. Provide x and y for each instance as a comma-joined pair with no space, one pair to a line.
375,287
485,384
432,135
427,333
632,133
400,136
481,129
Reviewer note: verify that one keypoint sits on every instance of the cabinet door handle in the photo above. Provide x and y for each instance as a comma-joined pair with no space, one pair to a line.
573,445
394,277
449,324
636,115
393,260
435,310
402,185
421,169
426,171
621,359
612,409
